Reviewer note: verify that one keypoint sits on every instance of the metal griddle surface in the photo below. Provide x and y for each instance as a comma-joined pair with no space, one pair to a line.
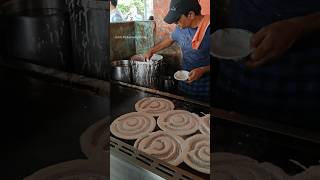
42,122
124,98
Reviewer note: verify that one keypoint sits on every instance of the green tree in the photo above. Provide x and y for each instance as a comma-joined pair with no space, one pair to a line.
124,8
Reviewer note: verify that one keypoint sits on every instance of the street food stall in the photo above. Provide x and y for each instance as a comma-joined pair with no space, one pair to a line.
50,92
145,101
244,142
89,104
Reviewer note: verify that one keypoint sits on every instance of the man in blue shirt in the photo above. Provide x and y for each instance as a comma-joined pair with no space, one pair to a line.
187,15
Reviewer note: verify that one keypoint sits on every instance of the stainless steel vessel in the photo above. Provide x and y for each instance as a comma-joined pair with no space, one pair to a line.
121,71
147,73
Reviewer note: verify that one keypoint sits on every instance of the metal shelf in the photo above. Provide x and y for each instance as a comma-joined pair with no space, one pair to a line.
163,169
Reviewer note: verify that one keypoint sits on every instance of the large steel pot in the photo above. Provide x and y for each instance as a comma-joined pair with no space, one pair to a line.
147,73
38,33
121,71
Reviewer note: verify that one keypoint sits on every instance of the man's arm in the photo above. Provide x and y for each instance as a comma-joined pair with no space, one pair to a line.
309,24
272,41
162,45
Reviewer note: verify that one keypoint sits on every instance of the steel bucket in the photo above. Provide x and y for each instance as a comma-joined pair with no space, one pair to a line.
121,71
146,73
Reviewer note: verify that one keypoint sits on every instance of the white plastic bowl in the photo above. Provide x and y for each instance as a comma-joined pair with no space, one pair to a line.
231,44
181,75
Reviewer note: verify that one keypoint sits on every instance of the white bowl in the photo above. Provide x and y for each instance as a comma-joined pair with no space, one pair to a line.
231,44
181,75
156,57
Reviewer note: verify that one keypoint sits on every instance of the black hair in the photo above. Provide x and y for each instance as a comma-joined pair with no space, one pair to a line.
151,18
114,3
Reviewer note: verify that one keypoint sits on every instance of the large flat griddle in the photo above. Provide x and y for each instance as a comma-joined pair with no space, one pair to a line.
42,120
123,101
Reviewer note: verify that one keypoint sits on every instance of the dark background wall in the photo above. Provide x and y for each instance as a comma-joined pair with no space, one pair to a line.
89,22
122,47
130,38
220,13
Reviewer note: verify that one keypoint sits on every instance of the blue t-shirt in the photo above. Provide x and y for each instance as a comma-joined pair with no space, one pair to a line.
116,16
192,59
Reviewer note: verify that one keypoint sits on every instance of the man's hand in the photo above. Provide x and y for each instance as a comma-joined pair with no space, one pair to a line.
147,56
273,41
162,45
197,73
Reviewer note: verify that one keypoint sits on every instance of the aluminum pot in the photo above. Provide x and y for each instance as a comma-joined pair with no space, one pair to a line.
121,71
147,73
